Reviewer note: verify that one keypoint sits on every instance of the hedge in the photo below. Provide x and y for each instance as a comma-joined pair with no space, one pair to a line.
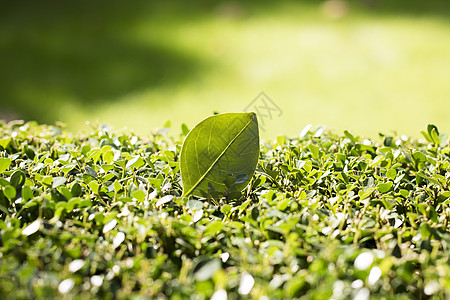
100,215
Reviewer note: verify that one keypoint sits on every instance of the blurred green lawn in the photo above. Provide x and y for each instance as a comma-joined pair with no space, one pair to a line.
366,66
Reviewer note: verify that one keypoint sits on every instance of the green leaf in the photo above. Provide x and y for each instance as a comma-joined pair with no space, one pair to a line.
314,151
136,162
4,182
57,181
91,172
94,155
427,136
107,168
4,164
76,190
47,180
184,129
391,174
219,155
139,195
108,156
10,192
94,186
435,136
366,193
385,187
18,178
27,193
350,136
419,157
5,142
117,186
67,168
65,192
431,128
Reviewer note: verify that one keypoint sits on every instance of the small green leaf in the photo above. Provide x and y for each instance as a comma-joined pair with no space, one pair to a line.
281,140
5,142
136,162
4,182
10,192
391,174
94,186
385,187
57,181
431,128
404,193
139,195
350,136
427,136
108,156
47,180
366,193
219,155
106,167
67,168
117,186
18,178
76,190
27,193
315,151
4,164
120,163
184,129
419,157
94,155
91,172
307,166
435,136
65,192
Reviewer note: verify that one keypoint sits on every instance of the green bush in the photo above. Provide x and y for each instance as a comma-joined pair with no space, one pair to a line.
325,216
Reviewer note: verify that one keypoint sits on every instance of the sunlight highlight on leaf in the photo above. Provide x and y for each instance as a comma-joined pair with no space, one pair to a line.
219,155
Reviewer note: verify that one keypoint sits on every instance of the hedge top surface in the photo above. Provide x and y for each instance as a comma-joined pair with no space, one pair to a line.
100,215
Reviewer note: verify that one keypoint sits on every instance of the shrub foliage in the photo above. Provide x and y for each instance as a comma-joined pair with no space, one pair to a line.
100,215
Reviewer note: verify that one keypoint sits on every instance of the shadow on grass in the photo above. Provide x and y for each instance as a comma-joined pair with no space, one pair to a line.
81,51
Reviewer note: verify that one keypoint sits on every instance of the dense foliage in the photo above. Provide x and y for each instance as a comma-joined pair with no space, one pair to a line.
325,216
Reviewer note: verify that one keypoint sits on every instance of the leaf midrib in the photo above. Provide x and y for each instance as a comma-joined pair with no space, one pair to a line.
216,160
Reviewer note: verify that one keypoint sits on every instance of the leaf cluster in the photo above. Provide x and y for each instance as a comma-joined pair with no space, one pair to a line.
101,215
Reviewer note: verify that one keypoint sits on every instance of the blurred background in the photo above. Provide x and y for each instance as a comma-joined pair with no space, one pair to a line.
367,66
